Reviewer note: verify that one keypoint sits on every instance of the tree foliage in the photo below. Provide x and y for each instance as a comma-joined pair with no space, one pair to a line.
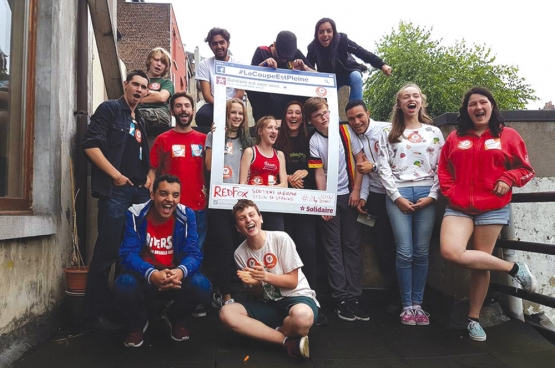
444,73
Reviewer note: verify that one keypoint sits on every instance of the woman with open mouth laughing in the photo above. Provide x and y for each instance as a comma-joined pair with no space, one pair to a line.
331,52
480,164
293,142
407,163
261,164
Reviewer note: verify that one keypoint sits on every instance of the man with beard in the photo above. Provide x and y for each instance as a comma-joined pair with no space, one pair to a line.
154,106
179,152
218,40
115,143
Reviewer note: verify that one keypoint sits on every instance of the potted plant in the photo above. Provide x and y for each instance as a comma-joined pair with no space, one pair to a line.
77,273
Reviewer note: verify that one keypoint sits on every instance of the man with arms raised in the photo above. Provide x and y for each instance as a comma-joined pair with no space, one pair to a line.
270,265
282,54
218,40
159,254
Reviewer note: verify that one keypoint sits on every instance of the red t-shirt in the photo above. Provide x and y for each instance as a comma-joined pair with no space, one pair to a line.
263,170
181,154
159,238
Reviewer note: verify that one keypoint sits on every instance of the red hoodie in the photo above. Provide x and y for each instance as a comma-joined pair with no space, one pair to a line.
470,166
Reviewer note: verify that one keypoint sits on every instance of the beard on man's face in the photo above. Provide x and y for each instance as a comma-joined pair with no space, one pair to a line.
184,119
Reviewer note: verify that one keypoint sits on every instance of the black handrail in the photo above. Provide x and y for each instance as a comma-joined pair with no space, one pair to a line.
533,197
526,246
523,294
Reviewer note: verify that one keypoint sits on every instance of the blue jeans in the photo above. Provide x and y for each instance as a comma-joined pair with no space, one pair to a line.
353,80
111,222
202,228
132,290
412,239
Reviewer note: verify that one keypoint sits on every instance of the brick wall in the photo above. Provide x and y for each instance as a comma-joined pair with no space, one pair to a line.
143,26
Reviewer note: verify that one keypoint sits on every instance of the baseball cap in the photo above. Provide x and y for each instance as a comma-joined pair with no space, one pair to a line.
286,44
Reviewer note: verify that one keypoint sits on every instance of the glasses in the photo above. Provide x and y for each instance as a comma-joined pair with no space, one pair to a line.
321,115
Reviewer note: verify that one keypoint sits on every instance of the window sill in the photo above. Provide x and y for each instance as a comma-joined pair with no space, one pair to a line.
16,227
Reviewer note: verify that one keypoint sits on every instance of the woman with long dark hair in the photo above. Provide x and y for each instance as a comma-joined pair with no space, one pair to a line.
332,52
480,163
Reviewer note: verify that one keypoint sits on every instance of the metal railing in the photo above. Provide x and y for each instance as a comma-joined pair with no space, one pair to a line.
533,247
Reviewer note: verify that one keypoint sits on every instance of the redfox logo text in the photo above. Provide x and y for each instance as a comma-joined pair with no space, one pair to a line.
227,192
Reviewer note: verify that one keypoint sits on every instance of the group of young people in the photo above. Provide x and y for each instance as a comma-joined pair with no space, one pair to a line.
392,172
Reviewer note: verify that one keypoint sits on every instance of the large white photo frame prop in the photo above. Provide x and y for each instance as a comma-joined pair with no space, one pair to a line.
290,82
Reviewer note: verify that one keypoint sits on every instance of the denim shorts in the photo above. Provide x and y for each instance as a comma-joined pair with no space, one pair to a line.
272,313
495,217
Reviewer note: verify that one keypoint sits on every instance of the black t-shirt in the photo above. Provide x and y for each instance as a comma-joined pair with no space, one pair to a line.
131,162
298,160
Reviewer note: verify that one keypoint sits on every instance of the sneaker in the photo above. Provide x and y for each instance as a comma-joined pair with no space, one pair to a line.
344,312
359,313
407,317
297,347
525,277
134,338
475,331
199,311
178,330
104,325
322,320
217,300
421,317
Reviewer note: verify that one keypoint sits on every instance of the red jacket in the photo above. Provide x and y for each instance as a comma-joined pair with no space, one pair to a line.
470,166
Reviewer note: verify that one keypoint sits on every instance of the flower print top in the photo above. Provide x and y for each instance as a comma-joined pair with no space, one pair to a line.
412,161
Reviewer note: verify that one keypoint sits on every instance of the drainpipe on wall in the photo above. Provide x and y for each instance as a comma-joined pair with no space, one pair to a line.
514,305
82,118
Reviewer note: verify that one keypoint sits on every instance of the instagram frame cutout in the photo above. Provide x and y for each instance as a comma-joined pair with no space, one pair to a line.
288,82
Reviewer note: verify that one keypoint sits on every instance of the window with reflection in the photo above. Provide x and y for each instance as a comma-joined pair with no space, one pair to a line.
16,102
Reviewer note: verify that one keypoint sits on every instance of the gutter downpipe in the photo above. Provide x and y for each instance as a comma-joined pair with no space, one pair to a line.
82,119
514,305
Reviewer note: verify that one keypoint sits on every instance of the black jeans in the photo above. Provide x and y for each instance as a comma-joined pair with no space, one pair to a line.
384,241
226,240
302,229
133,290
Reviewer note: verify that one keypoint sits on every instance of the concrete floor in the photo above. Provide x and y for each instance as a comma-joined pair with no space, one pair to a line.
381,342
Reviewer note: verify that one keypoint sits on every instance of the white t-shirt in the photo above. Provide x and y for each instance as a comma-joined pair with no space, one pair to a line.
279,256
319,148
368,142
206,72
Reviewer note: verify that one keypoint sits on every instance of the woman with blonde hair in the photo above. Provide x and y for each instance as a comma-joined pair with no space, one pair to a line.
237,139
263,165
407,162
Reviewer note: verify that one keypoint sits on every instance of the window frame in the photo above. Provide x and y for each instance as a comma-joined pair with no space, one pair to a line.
23,205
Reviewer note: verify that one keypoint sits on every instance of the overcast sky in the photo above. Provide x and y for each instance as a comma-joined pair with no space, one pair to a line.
519,33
